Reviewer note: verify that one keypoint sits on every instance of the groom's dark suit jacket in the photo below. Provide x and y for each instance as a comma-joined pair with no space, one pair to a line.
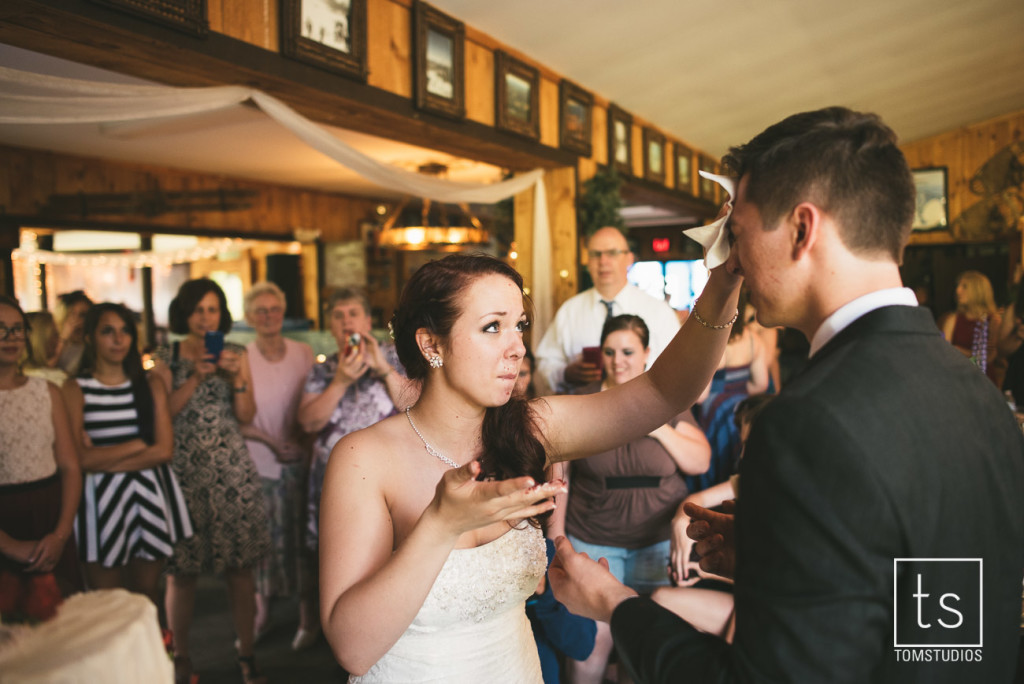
888,445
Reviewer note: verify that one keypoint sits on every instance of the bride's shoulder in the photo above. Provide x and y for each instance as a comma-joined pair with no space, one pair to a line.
371,446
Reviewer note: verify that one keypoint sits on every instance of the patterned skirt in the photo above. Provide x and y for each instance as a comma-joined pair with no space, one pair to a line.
136,514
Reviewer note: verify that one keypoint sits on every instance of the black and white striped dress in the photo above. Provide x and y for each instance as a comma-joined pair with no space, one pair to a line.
135,514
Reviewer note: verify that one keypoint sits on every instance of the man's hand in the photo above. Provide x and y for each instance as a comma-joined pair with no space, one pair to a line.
586,588
713,533
581,373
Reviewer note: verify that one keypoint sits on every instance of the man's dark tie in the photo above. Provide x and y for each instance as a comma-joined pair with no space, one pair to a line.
608,305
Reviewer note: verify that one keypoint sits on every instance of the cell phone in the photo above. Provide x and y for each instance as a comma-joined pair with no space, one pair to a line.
592,355
214,341
352,341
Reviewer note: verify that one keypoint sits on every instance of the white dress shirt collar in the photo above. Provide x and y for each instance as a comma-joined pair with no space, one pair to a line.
851,311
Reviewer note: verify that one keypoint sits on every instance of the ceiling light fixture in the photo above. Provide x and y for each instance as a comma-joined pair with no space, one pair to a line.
433,228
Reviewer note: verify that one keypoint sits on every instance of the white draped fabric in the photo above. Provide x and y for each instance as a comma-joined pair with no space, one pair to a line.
30,98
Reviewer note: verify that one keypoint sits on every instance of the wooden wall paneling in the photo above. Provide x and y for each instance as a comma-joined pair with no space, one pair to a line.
522,225
599,134
255,21
479,83
389,46
310,266
637,137
585,170
30,177
560,185
963,152
668,160
549,112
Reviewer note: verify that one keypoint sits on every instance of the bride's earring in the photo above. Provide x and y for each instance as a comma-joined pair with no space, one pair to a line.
435,361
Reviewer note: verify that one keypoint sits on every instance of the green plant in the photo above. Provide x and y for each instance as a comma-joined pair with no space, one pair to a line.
600,202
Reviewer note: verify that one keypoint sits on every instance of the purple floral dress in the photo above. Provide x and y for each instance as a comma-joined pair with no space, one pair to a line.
365,402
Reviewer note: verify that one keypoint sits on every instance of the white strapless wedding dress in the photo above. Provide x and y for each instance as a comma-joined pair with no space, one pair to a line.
473,627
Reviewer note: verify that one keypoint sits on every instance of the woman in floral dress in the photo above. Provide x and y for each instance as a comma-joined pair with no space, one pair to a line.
211,397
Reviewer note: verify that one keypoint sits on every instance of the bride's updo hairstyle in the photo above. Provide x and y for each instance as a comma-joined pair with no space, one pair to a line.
432,300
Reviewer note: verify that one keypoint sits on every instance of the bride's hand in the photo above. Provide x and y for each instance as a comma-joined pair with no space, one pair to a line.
464,503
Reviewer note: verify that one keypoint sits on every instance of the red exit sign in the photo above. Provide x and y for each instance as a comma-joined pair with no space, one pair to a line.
661,245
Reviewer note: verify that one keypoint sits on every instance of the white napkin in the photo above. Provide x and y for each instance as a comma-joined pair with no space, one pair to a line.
712,236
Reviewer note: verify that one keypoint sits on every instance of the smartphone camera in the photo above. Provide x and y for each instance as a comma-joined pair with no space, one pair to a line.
214,341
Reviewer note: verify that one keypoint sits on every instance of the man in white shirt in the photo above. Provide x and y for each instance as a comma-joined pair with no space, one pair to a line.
578,322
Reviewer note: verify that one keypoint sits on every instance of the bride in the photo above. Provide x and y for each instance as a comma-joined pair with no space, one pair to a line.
430,540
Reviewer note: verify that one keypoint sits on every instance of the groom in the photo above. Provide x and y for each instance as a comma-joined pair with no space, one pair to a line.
879,531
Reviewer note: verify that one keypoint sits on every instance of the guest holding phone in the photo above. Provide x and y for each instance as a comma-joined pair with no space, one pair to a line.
211,397
350,390
621,501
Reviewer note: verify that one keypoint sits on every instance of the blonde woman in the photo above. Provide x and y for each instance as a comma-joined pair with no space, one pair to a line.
40,360
974,327
279,367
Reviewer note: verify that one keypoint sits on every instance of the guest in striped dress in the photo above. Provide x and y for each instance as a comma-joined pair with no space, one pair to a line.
132,511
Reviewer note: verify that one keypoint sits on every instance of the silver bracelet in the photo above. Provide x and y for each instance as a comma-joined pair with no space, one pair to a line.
711,326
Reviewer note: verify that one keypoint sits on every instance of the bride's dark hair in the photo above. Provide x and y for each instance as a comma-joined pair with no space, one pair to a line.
431,300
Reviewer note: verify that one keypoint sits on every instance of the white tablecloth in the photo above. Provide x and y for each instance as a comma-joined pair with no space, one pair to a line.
109,636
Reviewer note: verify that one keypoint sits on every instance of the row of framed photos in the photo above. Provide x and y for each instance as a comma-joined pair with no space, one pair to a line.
685,162
332,35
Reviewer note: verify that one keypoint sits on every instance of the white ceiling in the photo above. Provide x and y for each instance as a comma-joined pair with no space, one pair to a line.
708,73
715,74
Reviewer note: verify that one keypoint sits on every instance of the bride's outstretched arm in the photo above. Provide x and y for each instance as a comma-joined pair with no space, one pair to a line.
369,595
577,426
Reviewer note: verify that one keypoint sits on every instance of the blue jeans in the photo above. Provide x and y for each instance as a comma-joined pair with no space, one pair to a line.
643,569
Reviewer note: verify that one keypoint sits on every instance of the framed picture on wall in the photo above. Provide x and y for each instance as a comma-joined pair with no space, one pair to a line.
654,155
620,140
683,156
330,34
708,188
185,15
517,95
574,118
439,67
931,208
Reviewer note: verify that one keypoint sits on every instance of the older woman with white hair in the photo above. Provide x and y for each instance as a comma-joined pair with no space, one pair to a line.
279,367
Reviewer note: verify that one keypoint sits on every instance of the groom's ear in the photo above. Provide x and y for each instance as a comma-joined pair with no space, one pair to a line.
805,225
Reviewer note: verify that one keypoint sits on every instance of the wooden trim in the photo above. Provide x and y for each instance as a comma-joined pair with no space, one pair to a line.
679,150
296,45
188,16
19,221
653,137
505,65
575,141
618,115
425,19
707,189
641,191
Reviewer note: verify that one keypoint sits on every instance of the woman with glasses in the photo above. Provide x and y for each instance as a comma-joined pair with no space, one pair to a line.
279,367
40,477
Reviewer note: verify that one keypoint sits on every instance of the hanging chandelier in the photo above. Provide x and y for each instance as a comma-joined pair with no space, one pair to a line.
434,228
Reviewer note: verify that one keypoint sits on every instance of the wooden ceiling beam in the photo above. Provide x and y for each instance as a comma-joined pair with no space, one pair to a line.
94,35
